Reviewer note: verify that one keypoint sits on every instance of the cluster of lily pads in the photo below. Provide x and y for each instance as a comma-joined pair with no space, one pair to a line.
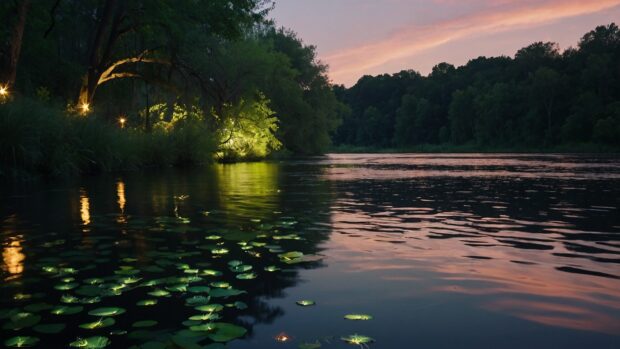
205,274
355,339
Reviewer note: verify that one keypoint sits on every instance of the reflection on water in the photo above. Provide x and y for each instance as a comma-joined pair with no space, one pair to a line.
444,251
84,207
13,257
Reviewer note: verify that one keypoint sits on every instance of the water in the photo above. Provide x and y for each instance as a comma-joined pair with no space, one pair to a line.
444,251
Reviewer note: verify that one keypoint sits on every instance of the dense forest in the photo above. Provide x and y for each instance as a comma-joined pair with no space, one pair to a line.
542,99
97,85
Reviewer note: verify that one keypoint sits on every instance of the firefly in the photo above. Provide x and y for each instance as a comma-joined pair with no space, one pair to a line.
282,338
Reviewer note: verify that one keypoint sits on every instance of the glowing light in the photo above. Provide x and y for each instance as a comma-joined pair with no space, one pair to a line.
85,108
4,91
84,208
122,120
120,192
13,257
282,337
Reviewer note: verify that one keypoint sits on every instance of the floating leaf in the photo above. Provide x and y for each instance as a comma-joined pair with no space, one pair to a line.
49,328
108,311
22,320
147,302
21,342
357,339
271,268
228,292
37,307
225,332
247,276
240,305
220,284
66,310
104,322
205,317
95,342
211,272
144,323
197,300
66,286
361,317
199,289
305,303
210,307
159,293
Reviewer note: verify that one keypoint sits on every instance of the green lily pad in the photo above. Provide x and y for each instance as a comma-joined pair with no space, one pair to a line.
220,284
199,289
247,276
305,303
147,302
109,311
49,328
66,310
357,317
211,272
197,300
271,268
225,332
101,323
159,293
203,328
205,317
37,307
225,292
95,342
21,342
22,320
357,339
144,323
210,307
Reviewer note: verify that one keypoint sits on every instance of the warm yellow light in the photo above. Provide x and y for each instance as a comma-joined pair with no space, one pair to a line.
122,120
84,208
13,257
282,337
4,91
85,107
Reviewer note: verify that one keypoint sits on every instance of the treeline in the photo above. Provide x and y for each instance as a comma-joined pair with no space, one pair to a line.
215,74
540,99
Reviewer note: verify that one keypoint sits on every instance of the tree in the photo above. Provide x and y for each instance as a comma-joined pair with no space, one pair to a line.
10,48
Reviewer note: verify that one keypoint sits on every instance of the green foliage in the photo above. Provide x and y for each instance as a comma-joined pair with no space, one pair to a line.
36,138
248,131
541,99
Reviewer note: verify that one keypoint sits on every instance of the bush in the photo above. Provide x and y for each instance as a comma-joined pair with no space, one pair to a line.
39,139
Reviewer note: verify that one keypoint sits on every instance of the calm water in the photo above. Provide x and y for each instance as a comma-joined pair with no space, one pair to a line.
443,251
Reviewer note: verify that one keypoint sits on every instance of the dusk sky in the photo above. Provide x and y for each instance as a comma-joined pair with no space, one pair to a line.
358,37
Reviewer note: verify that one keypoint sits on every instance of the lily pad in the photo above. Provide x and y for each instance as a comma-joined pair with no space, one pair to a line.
21,342
147,302
210,307
358,317
101,323
225,332
314,345
109,311
66,310
305,303
22,320
357,339
95,342
225,292
246,276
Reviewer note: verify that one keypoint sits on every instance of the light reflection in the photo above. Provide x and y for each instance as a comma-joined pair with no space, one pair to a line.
13,257
120,192
84,207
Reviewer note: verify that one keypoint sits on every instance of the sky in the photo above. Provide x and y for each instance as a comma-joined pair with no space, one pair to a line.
371,37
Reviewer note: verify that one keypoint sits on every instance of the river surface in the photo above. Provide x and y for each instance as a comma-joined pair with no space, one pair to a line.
441,251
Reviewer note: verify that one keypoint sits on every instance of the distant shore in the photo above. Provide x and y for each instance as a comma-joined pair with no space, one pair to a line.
584,148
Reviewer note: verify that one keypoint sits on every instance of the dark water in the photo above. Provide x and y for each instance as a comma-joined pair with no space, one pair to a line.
444,251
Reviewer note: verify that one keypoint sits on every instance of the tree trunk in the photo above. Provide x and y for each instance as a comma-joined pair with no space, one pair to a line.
8,71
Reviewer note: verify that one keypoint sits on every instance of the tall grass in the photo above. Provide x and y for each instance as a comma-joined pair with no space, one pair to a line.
39,139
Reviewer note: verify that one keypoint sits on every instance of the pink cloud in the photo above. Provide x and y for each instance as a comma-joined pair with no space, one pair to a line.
349,64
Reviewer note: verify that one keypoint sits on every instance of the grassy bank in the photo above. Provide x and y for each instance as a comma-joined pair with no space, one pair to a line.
38,139
472,148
